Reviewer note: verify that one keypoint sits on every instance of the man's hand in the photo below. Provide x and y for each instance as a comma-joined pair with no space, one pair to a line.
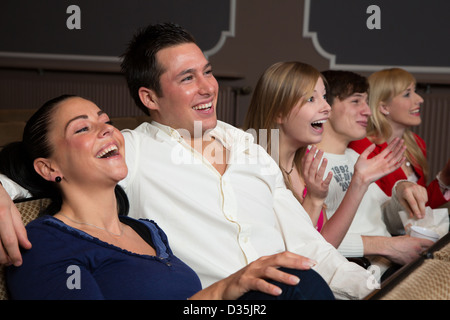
389,160
400,249
12,231
405,249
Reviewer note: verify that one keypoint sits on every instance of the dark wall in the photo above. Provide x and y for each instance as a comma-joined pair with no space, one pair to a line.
101,28
41,57
241,37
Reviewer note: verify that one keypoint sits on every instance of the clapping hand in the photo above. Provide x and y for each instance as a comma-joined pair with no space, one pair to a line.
313,174
387,161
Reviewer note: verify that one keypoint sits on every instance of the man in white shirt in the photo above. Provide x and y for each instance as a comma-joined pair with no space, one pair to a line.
219,197
368,234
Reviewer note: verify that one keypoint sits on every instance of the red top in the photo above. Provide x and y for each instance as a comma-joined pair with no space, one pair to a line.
435,197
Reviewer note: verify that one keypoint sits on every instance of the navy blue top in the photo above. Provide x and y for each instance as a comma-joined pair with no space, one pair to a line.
67,263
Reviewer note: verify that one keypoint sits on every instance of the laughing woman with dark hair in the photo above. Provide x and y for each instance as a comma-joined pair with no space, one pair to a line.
85,246
72,154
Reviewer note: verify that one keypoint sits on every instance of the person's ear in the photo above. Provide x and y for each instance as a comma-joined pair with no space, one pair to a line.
280,119
46,170
148,98
384,108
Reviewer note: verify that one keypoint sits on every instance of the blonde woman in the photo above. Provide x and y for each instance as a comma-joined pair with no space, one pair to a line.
289,99
395,107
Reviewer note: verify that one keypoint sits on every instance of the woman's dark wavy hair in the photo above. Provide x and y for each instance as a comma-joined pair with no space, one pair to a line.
16,159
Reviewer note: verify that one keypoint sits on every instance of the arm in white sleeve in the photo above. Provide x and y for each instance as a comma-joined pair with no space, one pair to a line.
347,280
14,190
352,246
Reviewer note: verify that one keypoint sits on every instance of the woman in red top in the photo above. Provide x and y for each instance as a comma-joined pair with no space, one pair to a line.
395,109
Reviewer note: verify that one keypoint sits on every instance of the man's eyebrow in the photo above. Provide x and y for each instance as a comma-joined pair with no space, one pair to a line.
184,72
192,70
208,65
82,116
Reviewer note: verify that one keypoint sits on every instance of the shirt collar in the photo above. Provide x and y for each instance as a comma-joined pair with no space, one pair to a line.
168,130
229,136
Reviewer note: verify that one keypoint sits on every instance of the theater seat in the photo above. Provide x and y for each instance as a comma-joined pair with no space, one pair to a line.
29,210
426,278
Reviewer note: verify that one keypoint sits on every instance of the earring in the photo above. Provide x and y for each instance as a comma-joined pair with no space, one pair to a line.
58,179
386,113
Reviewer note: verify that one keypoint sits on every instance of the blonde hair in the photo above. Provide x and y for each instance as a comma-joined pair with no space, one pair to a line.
384,86
279,89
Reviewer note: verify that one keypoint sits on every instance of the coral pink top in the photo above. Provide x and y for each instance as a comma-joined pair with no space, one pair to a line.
320,220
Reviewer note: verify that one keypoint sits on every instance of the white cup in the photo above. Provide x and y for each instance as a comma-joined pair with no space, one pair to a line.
420,232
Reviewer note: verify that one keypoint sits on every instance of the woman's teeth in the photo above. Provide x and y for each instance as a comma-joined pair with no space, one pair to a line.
319,123
110,151
203,106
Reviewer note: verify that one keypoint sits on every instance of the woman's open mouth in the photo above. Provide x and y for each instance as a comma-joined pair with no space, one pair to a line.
108,152
318,125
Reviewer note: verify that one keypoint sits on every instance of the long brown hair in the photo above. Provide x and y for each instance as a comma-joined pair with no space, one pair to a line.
384,86
278,91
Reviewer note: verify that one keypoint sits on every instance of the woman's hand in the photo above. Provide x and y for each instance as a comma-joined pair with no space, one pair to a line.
255,276
316,186
412,197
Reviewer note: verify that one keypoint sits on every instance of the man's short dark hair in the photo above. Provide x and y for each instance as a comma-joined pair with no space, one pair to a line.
139,63
342,84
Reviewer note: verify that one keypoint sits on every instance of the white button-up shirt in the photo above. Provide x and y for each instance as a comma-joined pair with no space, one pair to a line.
218,224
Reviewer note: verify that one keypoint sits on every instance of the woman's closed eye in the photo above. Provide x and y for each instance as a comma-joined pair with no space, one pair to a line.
86,128
82,129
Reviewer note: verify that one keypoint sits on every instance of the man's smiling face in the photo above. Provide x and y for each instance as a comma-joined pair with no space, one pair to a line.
189,89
